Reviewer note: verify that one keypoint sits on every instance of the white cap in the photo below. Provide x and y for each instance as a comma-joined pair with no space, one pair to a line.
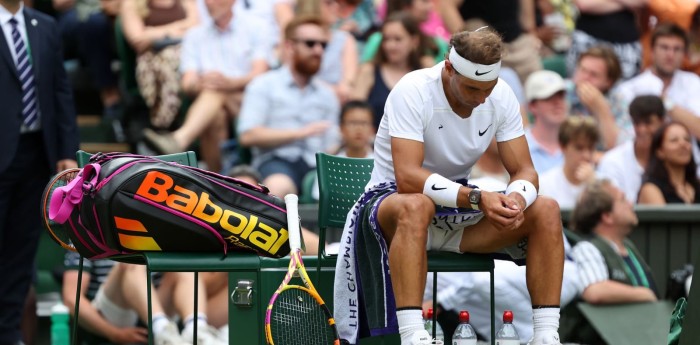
543,84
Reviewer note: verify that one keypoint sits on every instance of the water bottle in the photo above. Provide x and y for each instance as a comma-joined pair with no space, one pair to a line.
507,335
464,334
60,331
439,335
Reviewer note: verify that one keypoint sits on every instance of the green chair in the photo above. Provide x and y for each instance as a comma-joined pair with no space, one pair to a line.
341,181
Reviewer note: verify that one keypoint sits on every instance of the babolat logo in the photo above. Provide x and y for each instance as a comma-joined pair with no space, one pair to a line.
161,188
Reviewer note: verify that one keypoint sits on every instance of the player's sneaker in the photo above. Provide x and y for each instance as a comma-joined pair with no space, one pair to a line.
423,338
223,333
546,339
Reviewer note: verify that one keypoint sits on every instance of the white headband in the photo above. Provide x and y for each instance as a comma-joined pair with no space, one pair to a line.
472,70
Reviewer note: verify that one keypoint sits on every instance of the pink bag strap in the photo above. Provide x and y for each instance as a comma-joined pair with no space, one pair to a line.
64,199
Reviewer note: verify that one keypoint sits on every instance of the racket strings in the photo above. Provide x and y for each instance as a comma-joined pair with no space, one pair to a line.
298,319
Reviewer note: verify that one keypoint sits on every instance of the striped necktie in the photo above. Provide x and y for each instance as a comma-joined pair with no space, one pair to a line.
30,111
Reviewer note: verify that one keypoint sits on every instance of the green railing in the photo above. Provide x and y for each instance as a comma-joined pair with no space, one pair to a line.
667,236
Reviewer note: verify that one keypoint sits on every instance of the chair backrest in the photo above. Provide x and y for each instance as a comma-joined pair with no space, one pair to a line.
341,181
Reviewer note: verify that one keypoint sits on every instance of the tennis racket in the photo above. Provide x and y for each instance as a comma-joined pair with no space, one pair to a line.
57,231
297,314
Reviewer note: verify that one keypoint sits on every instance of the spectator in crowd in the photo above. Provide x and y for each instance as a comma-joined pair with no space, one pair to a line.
420,10
113,298
275,13
86,28
679,12
610,23
358,17
357,132
544,91
589,93
693,61
432,26
217,62
624,164
678,89
554,26
513,19
39,137
288,114
340,56
399,54
577,138
611,269
670,175
154,29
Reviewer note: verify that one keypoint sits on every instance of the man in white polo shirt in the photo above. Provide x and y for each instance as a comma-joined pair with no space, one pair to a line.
624,165
679,89
437,123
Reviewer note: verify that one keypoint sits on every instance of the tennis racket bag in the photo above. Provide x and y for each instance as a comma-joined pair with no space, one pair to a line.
124,203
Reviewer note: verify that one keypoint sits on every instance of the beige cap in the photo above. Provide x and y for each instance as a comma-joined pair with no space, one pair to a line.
543,84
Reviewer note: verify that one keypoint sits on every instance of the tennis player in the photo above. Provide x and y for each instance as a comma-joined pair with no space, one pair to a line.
437,123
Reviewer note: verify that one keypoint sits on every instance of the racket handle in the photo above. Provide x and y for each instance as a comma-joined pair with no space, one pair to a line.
292,202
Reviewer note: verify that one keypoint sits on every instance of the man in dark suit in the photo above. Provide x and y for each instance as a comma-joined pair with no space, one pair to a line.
38,136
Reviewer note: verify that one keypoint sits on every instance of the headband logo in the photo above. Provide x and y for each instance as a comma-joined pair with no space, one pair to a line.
473,70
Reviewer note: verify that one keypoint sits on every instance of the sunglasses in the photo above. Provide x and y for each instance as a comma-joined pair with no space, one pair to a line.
312,43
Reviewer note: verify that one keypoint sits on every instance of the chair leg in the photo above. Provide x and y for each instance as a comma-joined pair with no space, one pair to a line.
77,302
150,309
434,305
493,311
196,306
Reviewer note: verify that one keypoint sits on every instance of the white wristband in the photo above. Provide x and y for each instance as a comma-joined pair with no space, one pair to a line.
442,191
524,188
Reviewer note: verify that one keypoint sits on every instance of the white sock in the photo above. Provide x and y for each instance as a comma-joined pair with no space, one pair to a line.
188,330
410,321
159,322
545,321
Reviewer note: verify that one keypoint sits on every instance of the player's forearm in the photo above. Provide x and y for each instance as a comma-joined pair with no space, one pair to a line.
529,174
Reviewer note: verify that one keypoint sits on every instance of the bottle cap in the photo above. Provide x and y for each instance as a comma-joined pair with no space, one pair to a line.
430,313
507,316
59,308
464,316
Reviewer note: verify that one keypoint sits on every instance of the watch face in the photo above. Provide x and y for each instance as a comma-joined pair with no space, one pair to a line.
475,196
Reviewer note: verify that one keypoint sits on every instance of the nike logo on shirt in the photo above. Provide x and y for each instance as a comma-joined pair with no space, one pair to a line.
481,134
